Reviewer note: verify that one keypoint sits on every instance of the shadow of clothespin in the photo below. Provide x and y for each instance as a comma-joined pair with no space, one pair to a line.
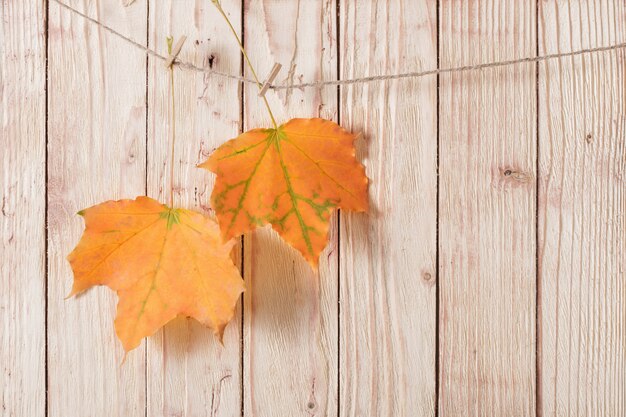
270,78
175,51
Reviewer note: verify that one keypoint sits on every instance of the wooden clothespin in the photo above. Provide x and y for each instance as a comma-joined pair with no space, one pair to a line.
175,51
270,78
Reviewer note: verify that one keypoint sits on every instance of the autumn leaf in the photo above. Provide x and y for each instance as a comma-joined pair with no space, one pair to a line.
291,177
161,261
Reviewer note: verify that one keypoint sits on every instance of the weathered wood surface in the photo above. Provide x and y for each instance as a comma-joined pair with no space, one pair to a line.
22,208
96,151
487,151
189,372
290,314
489,278
582,211
388,257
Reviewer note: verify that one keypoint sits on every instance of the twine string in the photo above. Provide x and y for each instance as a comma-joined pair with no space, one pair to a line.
322,83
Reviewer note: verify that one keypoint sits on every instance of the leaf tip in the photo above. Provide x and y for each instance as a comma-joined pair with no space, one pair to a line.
219,333
74,291
208,165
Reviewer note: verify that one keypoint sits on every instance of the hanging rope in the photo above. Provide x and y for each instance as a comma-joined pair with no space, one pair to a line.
320,83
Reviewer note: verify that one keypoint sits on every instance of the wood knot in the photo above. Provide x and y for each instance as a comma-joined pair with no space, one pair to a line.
428,278
510,177
589,139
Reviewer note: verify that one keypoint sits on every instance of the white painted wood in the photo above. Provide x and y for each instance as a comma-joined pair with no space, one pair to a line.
487,211
388,257
290,314
302,352
96,147
189,372
582,211
22,208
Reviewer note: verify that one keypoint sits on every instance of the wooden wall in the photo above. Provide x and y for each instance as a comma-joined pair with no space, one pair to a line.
489,278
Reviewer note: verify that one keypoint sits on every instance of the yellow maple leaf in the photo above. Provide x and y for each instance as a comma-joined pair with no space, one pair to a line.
161,261
291,177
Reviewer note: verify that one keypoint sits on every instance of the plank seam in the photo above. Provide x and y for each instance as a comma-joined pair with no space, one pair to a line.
242,339
147,98
437,283
46,256
538,321
338,93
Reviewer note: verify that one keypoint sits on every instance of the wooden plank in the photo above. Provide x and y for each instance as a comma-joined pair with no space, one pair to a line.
22,208
388,257
290,314
487,211
582,210
189,372
96,149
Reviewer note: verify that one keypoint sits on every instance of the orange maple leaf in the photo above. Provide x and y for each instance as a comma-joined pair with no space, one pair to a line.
161,261
291,177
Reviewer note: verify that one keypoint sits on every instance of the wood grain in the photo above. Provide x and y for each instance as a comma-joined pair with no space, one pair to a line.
487,211
22,208
582,210
290,313
189,372
517,269
388,257
96,148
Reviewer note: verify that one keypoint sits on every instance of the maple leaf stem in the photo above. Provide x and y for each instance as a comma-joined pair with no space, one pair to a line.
170,41
259,85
